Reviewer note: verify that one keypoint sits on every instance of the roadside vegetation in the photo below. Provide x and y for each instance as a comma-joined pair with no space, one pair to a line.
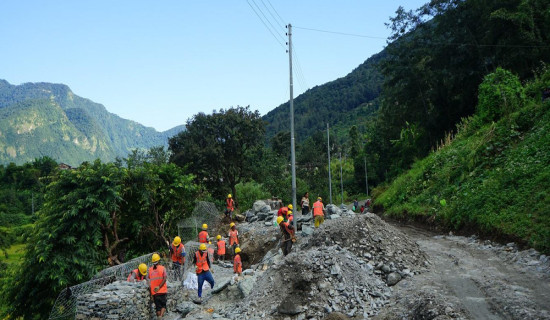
493,176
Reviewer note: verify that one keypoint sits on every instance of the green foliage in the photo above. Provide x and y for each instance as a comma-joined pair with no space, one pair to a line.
492,178
95,215
250,192
221,147
500,94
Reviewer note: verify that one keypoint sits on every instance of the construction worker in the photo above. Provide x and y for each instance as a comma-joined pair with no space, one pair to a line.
237,264
221,248
157,284
318,212
284,210
138,274
287,235
229,207
289,217
177,254
203,270
203,235
233,237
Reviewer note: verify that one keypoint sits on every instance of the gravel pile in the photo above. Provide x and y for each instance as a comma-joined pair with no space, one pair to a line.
387,250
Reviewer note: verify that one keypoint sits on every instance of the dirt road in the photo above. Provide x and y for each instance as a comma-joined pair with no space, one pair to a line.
471,279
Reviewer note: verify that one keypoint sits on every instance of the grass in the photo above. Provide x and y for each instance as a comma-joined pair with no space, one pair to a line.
15,255
492,179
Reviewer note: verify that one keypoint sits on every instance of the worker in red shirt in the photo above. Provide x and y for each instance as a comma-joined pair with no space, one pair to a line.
284,210
177,254
204,273
237,264
138,274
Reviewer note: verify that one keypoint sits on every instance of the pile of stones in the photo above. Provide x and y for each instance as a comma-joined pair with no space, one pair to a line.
124,300
261,211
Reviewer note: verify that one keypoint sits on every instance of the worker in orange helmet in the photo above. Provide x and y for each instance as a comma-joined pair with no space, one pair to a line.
157,283
233,237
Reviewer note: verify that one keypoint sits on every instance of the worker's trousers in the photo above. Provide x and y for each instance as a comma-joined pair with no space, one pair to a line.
319,221
205,276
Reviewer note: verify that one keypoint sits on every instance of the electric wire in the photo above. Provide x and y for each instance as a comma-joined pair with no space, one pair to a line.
434,43
268,29
277,13
300,72
268,20
271,14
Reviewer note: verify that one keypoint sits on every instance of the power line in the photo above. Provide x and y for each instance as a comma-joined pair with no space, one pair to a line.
435,43
300,73
281,19
342,33
268,21
271,14
268,29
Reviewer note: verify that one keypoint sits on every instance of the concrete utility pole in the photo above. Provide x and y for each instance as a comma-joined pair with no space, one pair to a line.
292,143
366,177
341,178
329,178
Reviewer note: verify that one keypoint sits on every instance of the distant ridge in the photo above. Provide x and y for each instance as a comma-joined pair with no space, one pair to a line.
47,119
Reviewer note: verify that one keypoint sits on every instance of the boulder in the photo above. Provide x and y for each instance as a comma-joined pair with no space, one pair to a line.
221,284
185,307
239,217
307,230
259,205
393,278
332,209
246,285
262,216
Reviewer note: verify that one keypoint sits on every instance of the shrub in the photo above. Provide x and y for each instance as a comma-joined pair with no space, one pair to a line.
249,192
500,94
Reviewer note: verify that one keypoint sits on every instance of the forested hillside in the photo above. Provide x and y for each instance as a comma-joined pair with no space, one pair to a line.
44,119
350,100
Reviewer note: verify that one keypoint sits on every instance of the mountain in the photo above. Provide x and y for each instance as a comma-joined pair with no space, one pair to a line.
342,103
46,119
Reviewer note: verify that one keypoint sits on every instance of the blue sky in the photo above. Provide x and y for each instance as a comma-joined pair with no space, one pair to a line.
159,63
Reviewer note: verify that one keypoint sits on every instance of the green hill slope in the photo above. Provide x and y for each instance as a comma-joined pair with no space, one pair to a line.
77,129
343,102
493,178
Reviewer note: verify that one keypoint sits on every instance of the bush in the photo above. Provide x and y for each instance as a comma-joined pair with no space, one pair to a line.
249,192
500,94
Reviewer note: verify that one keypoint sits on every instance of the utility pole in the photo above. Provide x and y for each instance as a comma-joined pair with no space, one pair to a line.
366,177
292,143
341,179
329,178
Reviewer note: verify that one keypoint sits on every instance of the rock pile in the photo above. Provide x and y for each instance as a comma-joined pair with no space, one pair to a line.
261,211
383,248
123,300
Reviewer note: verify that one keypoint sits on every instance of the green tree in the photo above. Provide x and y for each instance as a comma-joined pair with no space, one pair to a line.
500,94
221,148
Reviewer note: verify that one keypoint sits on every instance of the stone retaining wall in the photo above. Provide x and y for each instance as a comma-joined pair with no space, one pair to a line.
124,300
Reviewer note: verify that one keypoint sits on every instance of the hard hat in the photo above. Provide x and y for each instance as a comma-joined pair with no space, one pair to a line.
232,224
289,212
237,250
177,241
204,226
229,195
279,219
218,237
290,206
142,269
202,247
319,199
155,257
